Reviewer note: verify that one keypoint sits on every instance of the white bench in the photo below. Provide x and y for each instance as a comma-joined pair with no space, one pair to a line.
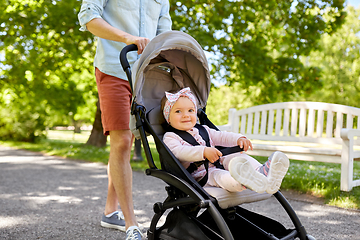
309,131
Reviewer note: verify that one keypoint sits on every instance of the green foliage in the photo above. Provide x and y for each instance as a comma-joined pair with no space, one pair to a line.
223,98
339,60
258,43
21,118
47,63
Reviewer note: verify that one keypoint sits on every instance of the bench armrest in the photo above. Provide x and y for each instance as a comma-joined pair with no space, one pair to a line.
348,133
229,127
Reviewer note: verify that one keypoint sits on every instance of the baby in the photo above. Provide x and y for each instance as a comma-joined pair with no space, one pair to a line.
239,171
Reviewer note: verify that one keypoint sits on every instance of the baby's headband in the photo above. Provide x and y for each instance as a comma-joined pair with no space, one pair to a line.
173,97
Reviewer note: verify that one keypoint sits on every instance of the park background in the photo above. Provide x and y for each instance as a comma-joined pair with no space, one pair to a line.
258,51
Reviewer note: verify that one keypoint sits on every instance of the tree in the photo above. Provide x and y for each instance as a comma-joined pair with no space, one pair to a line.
258,43
45,59
97,138
339,59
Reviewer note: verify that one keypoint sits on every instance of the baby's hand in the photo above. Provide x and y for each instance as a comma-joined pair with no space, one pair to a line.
244,143
212,154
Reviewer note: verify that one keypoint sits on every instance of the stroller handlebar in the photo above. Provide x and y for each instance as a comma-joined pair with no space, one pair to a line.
123,60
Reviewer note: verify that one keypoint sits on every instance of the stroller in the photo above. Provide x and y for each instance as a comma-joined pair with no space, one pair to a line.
175,60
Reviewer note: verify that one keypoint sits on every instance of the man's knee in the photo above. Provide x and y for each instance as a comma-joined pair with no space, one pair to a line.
121,139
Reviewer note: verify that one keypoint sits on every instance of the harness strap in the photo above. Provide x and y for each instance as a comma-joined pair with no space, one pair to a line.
204,134
191,140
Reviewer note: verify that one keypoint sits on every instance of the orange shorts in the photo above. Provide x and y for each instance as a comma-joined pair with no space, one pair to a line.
115,101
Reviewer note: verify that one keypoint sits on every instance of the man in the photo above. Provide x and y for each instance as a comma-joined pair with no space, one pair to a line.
118,23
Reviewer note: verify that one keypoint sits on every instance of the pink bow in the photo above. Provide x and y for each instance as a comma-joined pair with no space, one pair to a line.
173,97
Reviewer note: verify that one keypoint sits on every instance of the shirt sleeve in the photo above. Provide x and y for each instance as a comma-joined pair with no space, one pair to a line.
164,23
181,151
89,10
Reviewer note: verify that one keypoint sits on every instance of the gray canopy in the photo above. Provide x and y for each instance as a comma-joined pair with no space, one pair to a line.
172,60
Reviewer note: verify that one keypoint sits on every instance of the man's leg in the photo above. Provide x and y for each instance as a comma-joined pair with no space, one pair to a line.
120,176
111,217
111,200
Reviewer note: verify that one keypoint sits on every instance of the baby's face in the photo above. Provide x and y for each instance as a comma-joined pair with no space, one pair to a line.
183,114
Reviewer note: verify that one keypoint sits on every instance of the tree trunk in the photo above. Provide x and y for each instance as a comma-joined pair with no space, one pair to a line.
97,137
77,126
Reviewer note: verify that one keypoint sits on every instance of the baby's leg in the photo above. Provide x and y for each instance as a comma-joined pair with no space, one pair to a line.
226,159
242,169
222,178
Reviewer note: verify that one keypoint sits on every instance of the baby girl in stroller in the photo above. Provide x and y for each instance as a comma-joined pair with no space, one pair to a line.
237,171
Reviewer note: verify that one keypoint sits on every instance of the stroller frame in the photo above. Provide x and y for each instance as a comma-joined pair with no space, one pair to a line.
183,191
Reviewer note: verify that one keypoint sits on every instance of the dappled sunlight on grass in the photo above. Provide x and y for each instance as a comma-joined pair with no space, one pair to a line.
346,201
68,135
322,180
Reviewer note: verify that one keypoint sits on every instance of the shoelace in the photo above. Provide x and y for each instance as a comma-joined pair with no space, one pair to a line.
133,234
120,215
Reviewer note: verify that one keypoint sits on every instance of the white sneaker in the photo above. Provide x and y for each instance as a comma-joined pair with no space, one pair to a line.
243,172
275,169
134,233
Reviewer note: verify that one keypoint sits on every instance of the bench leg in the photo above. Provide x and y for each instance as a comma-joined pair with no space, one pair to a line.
347,165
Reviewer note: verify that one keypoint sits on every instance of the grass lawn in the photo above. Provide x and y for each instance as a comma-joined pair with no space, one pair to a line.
315,178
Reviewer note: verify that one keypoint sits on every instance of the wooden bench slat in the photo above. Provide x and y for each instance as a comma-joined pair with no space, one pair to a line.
278,122
294,118
270,125
263,122
256,122
339,123
302,122
286,122
249,124
311,120
329,124
349,121
320,124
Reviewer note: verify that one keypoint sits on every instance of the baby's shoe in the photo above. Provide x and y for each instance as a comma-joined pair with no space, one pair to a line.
243,172
275,169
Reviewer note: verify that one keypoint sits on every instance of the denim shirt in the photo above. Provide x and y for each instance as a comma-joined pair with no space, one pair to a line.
143,18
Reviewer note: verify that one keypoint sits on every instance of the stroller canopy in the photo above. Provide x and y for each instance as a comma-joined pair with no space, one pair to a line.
172,60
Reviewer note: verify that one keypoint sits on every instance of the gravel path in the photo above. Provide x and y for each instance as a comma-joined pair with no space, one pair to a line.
45,197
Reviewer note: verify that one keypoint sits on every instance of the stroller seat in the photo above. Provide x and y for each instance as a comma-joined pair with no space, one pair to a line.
227,199
175,60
